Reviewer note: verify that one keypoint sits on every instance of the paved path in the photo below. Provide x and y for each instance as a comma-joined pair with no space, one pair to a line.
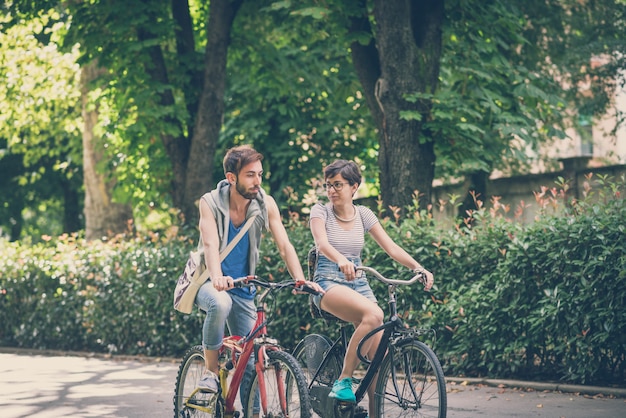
50,387
54,385
531,400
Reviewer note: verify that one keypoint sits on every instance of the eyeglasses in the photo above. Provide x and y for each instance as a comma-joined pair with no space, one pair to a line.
336,185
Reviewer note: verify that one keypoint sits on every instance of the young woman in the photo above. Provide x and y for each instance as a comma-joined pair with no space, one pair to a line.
339,228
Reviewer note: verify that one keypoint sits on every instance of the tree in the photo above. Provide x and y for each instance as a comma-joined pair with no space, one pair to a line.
292,92
405,58
456,87
473,86
104,217
39,127
272,114
153,64
210,111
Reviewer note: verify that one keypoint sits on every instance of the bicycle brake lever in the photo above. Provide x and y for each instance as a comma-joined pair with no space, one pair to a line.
301,286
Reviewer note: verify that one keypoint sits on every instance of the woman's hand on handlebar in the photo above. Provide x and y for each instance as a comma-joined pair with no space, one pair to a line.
427,278
348,269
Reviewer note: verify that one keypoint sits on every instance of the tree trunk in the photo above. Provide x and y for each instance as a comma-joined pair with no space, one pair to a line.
103,218
176,147
406,60
72,215
210,113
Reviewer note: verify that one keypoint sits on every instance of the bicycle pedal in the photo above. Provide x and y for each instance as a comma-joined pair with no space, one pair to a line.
344,409
344,405
360,412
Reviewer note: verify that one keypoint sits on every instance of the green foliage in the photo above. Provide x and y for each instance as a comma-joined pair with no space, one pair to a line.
543,301
292,93
40,137
486,111
539,301
292,90
130,42
105,297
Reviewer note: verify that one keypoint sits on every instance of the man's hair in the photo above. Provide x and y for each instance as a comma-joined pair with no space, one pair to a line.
348,169
240,156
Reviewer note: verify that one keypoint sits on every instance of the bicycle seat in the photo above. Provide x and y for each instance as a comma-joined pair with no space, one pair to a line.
316,312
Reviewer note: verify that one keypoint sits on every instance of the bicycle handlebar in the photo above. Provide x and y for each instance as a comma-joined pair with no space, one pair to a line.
303,287
419,277
256,280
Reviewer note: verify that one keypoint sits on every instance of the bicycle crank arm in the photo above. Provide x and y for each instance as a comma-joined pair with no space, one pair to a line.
329,407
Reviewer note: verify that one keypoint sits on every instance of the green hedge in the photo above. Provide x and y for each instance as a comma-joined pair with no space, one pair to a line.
543,301
105,297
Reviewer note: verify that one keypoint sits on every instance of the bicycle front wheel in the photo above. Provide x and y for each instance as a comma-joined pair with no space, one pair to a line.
410,383
188,401
283,390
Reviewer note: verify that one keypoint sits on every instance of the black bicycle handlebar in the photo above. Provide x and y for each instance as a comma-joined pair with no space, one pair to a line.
300,285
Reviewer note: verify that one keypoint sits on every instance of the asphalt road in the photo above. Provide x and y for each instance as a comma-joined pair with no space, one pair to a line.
53,385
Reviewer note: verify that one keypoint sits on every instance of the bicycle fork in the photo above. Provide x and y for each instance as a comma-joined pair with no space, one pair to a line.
262,364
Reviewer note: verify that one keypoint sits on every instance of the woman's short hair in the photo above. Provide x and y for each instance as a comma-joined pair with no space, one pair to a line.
240,156
348,170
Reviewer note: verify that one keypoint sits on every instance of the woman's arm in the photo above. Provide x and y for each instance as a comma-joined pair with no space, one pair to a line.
399,254
318,229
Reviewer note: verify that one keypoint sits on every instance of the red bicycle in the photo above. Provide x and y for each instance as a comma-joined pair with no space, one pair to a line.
278,388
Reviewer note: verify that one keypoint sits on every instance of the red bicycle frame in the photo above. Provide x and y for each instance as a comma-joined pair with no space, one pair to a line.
241,349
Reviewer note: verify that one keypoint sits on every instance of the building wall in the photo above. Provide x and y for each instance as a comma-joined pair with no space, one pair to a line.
518,193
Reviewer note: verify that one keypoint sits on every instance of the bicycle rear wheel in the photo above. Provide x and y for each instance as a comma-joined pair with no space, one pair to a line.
286,393
188,401
410,383
319,366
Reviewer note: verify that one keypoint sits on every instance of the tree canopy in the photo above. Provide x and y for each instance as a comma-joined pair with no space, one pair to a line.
410,90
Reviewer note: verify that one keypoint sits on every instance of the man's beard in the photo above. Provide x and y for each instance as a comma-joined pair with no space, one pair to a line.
243,192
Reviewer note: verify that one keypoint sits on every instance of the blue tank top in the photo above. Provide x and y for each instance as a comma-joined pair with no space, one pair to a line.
236,263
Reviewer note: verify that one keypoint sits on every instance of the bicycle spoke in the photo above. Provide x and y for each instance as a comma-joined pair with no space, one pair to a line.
281,387
188,400
411,383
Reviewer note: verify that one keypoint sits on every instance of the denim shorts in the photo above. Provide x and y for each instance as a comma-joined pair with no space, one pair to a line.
328,275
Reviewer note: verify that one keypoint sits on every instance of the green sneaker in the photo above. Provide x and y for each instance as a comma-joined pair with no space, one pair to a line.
342,390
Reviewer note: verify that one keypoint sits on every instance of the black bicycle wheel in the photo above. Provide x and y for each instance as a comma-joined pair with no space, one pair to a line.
188,402
321,368
311,352
286,392
410,383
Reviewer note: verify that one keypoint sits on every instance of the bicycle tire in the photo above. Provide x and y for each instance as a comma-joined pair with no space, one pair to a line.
423,394
295,397
311,352
186,402
321,367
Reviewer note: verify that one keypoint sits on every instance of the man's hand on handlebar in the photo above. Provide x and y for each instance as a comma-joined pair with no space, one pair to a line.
221,283
305,286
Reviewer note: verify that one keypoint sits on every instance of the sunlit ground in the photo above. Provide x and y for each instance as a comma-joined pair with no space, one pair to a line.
39,386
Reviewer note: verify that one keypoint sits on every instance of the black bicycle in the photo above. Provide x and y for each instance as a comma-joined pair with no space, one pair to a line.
409,382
